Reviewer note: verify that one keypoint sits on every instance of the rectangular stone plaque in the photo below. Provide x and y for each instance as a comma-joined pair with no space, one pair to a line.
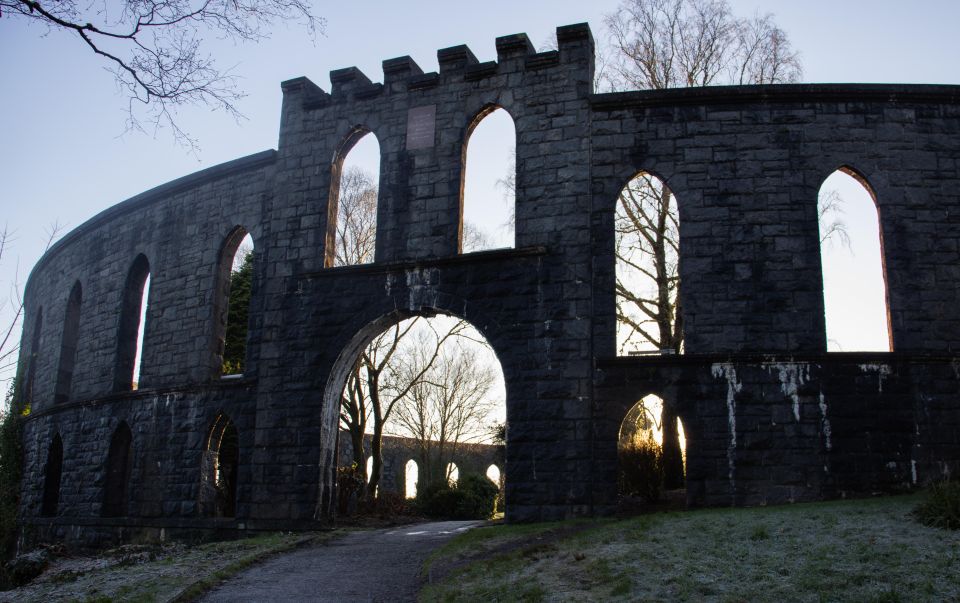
421,127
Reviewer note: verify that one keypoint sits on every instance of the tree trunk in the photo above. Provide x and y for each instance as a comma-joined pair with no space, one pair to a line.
672,455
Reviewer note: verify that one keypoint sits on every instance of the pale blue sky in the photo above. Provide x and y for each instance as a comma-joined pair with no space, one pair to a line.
63,155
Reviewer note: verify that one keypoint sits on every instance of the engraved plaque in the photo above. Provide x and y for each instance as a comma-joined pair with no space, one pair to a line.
421,127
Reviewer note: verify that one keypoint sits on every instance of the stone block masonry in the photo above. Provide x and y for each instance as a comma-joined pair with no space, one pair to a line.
770,416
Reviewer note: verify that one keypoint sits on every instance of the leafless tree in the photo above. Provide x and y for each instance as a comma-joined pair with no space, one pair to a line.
12,306
383,376
154,47
661,44
832,227
648,280
448,406
356,228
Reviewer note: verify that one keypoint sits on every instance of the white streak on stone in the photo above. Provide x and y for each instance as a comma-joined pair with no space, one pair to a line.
792,375
913,471
728,372
883,371
825,422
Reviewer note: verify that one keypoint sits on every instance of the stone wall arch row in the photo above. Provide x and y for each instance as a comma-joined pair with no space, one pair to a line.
364,328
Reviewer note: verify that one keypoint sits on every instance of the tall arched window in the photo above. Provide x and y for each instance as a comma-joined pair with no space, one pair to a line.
410,478
52,473
647,252
218,470
133,308
34,358
488,186
851,256
117,472
352,217
68,344
234,288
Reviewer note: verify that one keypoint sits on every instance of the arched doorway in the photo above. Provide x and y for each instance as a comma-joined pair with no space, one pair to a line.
433,383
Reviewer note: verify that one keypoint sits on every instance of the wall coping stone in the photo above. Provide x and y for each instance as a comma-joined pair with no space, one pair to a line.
155,194
778,93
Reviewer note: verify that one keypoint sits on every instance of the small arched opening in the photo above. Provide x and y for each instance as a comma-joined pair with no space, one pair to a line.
651,448
647,258
52,473
452,473
496,476
68,344
488,183
218,470
353,200
851,256
234,288
117,472
134,300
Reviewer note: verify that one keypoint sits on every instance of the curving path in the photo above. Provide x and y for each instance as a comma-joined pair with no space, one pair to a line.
380,565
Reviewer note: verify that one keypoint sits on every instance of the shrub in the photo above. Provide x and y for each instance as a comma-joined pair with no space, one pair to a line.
473,497
350,483
11,458
386,504
641,468
941,508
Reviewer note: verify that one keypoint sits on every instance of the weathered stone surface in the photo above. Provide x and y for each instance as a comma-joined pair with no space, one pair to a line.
745,163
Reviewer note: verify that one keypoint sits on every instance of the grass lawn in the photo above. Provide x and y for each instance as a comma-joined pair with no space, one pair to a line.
146,573
855,550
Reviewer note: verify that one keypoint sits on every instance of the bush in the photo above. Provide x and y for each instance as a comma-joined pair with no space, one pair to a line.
941,509
351,480
11,459
473,497
641,468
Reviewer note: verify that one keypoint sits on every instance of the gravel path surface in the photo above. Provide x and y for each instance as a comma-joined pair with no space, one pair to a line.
380,565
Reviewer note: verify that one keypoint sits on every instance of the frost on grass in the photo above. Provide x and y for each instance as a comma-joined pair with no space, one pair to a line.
141,572
857,550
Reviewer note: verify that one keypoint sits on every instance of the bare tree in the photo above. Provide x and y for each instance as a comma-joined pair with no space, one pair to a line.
153,47
356,228
381,378
832,226
648,279
661,44
448,406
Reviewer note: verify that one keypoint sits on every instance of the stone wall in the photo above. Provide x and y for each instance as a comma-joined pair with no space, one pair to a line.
771,417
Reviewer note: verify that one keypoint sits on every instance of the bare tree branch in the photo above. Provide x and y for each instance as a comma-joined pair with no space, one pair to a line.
153,47
9,342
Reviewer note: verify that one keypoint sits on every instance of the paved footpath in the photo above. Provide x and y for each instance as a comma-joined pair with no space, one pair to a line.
370,566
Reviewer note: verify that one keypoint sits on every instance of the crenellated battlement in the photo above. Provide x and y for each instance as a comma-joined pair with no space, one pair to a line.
457,64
